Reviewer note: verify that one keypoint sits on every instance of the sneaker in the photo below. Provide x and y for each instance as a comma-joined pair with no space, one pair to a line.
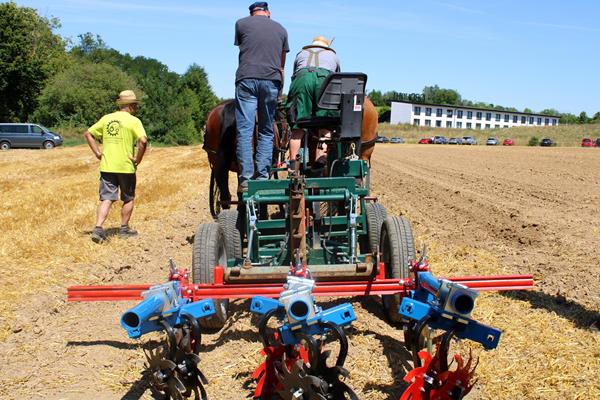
126,232
98,235
242,187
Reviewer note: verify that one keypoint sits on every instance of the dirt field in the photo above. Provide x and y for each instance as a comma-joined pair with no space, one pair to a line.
480,210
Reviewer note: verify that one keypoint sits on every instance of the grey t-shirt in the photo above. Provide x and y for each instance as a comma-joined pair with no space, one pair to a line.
262,41
317,57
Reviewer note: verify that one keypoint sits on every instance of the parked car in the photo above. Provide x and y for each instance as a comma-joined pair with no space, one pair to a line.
27,135
508,142
492,141
455,141
470,140
587,142
382,139
598,142
396,140
440,140
425,140
547,142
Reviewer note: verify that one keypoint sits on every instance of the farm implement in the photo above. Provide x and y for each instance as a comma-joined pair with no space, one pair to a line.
290,240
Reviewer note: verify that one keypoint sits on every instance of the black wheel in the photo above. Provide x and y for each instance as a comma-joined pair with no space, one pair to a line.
4,146
397,250
232,225
208,251
48,144
214,196
376,214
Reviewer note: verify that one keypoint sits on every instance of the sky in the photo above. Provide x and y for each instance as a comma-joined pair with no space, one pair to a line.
526,53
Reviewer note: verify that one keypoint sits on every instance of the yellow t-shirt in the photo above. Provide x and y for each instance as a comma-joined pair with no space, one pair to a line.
119,132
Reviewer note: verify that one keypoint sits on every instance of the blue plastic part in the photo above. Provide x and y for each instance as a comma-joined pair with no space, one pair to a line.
463,328
146,316
341,315
262,305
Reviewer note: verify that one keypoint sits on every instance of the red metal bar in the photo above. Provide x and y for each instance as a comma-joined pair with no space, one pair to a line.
245,290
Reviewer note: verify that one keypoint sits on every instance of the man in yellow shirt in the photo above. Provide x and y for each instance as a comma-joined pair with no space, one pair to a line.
118,132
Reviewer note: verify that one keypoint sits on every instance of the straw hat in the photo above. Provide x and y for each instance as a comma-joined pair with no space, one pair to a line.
126,97
320,41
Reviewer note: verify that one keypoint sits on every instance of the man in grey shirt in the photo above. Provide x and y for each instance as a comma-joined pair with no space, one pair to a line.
263,45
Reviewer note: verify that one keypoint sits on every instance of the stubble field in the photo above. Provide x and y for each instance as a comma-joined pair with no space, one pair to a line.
480,210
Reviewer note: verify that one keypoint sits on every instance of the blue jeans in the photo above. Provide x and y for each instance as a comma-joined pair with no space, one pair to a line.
252,97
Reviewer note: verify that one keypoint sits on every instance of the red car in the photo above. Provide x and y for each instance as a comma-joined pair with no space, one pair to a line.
508,142
425,141
587,142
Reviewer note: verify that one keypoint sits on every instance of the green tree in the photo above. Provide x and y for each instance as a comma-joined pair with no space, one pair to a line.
596,118
549,111
181,117
30,53
196,80
80,95
568,118
376,98
528,110
435,94
583,118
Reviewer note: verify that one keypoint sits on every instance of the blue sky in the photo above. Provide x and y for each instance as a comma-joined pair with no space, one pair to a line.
536,54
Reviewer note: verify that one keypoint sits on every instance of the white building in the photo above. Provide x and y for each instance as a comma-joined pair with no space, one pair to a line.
441,116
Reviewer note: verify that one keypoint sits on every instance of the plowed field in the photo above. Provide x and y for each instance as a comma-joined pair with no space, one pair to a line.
479,210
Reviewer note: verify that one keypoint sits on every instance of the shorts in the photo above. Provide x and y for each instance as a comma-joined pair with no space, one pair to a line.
304,94
111,182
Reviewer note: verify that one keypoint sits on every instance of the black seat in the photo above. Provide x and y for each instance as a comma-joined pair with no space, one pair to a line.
344,92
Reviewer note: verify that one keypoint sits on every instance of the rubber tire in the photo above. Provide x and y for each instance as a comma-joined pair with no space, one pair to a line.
4,146
48,145
397,250
232,225
376,214
208,251
214,196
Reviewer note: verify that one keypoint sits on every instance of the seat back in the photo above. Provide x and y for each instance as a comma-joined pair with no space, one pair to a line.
345,91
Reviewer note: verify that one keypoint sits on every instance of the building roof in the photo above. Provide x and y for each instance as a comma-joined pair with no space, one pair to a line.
475,108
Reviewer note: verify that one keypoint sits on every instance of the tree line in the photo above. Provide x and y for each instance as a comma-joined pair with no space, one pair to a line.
48,79
436,95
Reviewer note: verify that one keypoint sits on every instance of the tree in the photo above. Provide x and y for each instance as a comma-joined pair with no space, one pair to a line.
30,53
376,98
568,118
80,95
549,111
583,118
528,110
196,80
596,118
437,95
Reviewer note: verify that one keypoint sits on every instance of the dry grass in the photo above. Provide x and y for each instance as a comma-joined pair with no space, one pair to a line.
563,135
49,201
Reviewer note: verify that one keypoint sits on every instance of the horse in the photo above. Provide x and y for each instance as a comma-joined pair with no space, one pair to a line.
220,145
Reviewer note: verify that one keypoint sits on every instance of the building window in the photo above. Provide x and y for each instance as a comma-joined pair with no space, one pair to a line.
515,119
498,116
469,114
488,116
469,125
553,121
547,121
427,122
531,119
438,124
438,112
417,110
523,120
417,122
478,126
496,126
449,113
459,125
487,126
428,111
448,124
459,114
506,117
479,114
505,126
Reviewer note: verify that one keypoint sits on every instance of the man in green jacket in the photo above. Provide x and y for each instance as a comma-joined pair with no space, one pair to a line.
118,132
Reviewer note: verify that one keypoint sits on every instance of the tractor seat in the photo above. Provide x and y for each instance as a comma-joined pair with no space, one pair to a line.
318,122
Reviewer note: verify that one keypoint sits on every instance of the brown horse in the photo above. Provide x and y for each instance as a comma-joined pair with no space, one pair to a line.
220,145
